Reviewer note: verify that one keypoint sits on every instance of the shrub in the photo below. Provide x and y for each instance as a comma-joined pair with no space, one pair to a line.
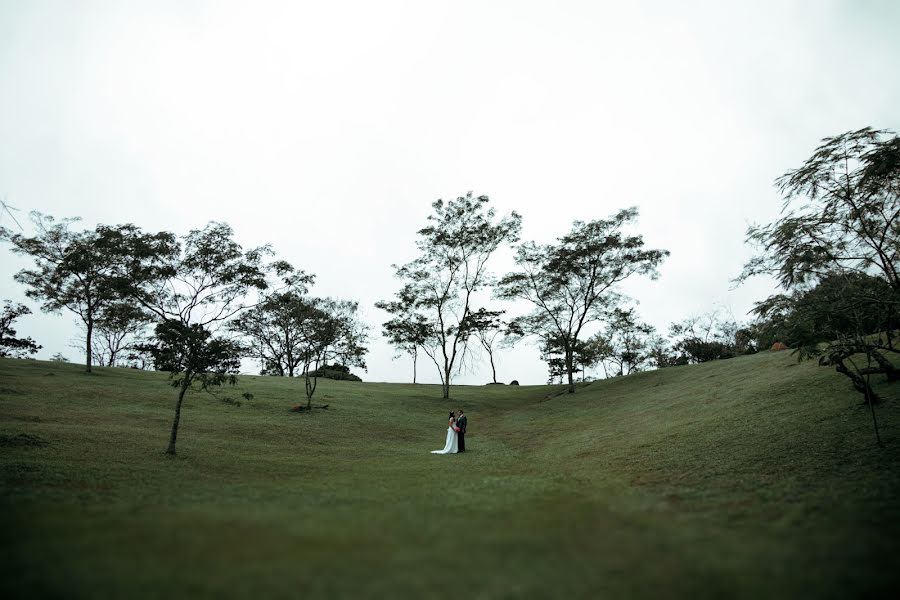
337,372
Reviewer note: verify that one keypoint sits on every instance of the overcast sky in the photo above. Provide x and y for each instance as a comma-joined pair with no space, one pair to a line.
328,128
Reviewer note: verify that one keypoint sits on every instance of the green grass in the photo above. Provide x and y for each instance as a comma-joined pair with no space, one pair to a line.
746,478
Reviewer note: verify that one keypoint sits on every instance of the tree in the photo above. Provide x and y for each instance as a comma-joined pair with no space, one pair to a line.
488,328
842,220
10,345
845,217
295,334
118,329
660,354
193,288
76,271
841,311
629,341
441,284
552,352
330,332
573,283
409,330
274,327
193,355
709,336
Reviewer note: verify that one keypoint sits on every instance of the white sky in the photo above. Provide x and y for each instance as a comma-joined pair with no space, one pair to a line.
328,128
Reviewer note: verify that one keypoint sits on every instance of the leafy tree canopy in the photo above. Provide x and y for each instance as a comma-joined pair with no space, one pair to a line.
10,345
572,283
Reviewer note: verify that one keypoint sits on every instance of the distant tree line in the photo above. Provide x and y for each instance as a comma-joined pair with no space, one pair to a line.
835,253
195,305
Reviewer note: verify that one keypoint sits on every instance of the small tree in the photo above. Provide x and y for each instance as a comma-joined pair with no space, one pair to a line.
489,329
10,345
194,357
629,341
408,331
274,327
709,336
572,283
118,330
330,332
450,271
194,288
553,353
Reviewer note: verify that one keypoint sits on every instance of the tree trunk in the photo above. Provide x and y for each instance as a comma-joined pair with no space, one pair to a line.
859,384
89,327
445,385
872,410
415,358
184,386
569,370
886,367
493,368
310,389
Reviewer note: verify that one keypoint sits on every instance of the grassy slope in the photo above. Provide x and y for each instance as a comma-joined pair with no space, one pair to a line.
739,478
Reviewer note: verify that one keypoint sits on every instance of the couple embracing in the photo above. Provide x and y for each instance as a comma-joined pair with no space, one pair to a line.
456,434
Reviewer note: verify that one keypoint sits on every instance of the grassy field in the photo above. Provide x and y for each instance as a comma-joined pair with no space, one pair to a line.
745,478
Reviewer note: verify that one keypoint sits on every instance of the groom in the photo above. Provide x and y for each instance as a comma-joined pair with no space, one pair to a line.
461,424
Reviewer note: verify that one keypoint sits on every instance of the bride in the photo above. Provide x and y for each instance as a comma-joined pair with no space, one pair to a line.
451,446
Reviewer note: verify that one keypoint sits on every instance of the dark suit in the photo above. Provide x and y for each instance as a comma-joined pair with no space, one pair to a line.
461,423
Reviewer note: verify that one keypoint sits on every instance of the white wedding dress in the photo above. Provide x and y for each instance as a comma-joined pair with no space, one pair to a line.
452,445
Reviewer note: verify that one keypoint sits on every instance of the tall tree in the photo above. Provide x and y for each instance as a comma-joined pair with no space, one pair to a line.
194,288
74,270
451,269
10,345
842,219
573,283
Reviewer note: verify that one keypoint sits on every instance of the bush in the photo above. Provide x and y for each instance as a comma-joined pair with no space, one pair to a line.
699,351
337,372
514,382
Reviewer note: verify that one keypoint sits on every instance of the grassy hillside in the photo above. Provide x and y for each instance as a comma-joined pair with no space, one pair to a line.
742,478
